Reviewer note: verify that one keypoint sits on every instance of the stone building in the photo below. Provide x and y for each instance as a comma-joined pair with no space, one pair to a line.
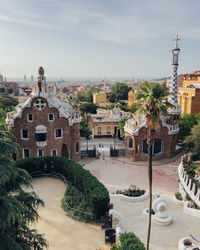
45,126
165,138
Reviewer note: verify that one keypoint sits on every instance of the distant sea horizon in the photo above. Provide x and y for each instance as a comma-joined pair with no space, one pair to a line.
28,79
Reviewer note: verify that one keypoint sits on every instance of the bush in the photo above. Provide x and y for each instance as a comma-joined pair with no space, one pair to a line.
83,188
178,196
187,197
129,241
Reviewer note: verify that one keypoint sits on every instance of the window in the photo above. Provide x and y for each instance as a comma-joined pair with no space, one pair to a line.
77,146
144,147
24,134
108,130
157,147
129,142
26,153
40,136
99,130
40,104
54,152
58,133
40,152
51,117
29,117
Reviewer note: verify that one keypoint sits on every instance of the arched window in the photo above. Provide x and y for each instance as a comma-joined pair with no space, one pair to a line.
157,147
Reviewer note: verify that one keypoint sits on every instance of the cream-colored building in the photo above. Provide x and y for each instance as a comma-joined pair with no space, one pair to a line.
105,122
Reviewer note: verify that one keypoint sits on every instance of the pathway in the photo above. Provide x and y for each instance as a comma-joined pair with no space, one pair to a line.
62,232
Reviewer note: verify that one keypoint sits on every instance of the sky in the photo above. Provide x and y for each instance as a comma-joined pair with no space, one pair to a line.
98,38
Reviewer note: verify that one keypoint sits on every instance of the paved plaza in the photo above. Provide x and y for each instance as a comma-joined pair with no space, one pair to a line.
63,232
119,173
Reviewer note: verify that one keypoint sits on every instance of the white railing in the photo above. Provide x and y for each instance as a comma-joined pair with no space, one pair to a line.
190,188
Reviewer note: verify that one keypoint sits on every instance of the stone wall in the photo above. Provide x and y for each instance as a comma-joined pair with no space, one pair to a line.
136,151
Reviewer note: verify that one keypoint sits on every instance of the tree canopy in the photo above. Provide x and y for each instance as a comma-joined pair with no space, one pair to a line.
18,208
7,103
152,101
192,141
87,108
121,125
119,91
84,129
186,123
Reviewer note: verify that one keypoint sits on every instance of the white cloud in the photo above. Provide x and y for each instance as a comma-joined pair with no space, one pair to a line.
26,22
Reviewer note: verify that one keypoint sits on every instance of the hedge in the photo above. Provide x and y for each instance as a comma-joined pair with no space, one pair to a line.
85,199
129,241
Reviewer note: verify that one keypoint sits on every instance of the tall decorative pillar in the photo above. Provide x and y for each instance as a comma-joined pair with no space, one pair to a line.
173,98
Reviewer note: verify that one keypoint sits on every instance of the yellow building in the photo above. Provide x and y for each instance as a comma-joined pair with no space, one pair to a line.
195,82
189,100
131,95
99,97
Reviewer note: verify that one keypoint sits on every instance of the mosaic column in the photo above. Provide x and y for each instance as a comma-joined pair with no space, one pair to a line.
173,86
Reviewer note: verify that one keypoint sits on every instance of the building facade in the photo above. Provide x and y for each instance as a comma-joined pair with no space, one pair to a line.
100,97
131,95
189,100
45,126
165,138
104,124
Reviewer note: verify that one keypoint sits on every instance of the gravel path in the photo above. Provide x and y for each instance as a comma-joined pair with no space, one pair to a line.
62,232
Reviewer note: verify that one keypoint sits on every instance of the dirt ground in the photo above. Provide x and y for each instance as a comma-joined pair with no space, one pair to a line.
62,232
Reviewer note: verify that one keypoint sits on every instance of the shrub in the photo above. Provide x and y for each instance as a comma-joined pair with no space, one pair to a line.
131,192
178,196
83,188
187,197
129,241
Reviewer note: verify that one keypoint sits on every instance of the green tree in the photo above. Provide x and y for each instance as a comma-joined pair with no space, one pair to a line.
7,103
108,107
82,97
186,123
129,241
18,208
121,125
72,100
119,91
87,108
151,101
84,131
192,141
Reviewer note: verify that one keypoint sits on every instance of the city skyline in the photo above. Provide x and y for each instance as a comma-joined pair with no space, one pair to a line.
92,39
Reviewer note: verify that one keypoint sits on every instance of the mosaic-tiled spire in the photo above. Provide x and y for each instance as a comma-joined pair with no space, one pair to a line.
173,87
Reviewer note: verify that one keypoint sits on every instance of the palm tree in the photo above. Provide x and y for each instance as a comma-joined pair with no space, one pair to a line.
151,101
